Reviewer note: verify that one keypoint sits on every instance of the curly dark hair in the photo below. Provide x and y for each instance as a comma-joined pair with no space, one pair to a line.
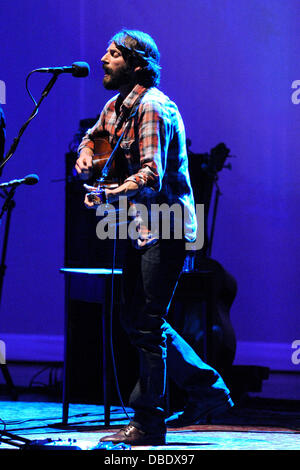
139,48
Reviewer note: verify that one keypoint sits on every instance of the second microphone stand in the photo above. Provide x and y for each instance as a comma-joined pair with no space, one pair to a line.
8,206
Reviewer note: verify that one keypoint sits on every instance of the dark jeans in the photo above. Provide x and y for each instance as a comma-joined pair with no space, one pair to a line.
149,280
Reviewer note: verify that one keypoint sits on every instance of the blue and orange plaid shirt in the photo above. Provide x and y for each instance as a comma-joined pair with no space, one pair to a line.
154,144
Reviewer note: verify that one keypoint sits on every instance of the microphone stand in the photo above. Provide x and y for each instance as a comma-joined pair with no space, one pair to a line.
8,206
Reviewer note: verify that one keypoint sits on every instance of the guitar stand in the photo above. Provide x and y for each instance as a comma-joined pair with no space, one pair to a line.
8,206
216,202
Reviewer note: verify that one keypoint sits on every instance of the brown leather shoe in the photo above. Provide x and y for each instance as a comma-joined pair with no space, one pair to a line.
134,436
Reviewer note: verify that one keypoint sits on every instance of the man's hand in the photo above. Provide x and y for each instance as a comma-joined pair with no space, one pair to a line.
97,195
84,164
94,197
90,203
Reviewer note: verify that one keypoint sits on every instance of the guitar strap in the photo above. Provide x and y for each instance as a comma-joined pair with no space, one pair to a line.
109,162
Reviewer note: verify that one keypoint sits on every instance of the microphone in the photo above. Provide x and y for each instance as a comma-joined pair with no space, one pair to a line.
77,69
29,180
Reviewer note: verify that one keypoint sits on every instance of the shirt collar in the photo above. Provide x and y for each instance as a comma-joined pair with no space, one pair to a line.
128,104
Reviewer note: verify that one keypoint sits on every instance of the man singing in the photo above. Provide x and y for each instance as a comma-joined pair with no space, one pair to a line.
154,146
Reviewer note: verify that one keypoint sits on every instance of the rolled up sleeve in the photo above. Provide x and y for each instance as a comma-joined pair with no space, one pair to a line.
88,139
153,141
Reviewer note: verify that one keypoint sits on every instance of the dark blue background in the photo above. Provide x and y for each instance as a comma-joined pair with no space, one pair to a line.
229,66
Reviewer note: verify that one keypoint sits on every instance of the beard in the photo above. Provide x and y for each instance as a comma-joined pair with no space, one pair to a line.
113,80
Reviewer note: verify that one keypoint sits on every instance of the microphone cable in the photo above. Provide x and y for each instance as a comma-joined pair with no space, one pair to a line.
24,126
111,328
30,94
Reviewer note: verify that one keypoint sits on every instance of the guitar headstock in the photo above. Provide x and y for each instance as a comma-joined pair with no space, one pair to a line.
213,162
218,156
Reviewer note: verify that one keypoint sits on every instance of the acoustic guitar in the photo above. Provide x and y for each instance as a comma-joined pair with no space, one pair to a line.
109,167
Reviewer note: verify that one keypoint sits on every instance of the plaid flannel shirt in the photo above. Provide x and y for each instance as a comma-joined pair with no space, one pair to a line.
154,145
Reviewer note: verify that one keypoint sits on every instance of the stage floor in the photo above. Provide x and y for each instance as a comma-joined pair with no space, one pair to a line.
42,420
